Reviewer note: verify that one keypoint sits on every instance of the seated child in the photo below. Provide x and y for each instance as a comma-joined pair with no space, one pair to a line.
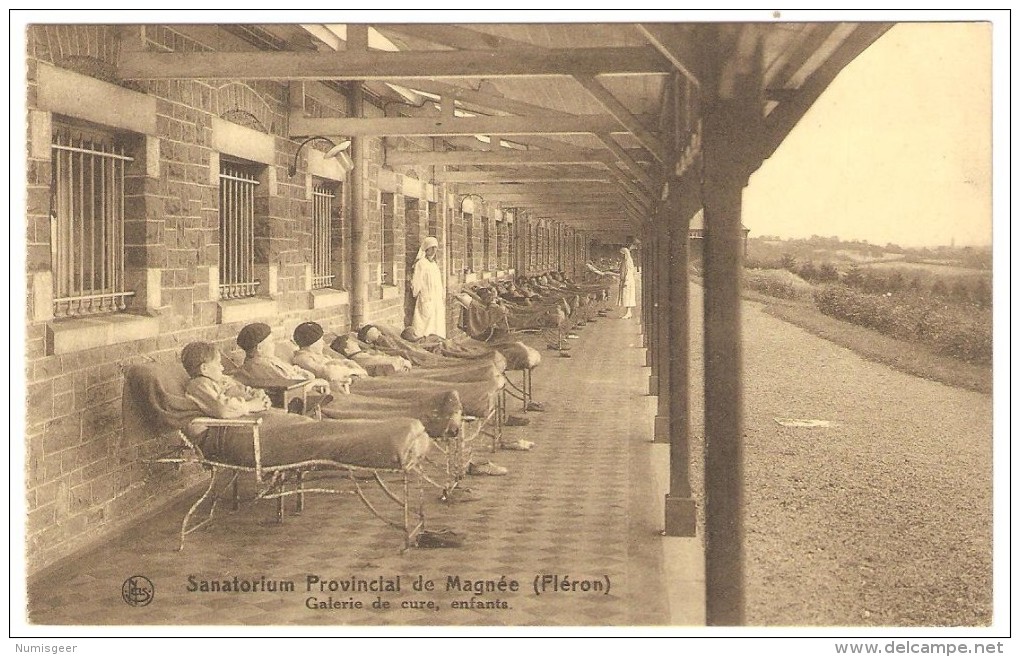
215,393
338,371
261,363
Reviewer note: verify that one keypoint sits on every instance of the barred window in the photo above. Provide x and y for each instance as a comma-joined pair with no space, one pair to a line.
388,238
511,244
237,231
323,215
433,220
500,247
87,222
486,242
469,224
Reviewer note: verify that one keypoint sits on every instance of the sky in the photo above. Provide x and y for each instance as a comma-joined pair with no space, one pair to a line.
897,149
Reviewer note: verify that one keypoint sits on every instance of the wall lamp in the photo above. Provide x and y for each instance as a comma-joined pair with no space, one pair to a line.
337,151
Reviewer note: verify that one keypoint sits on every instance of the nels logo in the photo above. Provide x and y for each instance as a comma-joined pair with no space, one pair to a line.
137,591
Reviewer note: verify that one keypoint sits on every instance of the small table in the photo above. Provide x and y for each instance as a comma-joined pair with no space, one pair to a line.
288,394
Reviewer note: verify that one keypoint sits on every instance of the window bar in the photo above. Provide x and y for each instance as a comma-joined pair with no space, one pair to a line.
228,264
119,280
223,237
240,237
104,220
248,250
91,223
249,227
236,237
327,210
317,202
81,224
67,230
241,246
56,224
320,202
71,148
241,275
321,232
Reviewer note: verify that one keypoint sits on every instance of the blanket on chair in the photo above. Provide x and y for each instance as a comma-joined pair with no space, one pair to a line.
154,402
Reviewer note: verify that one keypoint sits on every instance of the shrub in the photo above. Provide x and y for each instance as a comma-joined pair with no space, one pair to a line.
777,283
962,332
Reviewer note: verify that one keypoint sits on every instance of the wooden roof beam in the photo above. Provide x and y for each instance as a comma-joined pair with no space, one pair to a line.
491,177
301,126
478,98
672,43
623,157
454,36
380,65
785,116
816,36
506,157
630,186
623,115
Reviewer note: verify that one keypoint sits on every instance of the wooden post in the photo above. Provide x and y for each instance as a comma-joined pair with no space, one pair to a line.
663,336
359,228
732,148
647,285
681,508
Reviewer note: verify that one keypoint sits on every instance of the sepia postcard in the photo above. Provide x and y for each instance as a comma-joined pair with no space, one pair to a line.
502,323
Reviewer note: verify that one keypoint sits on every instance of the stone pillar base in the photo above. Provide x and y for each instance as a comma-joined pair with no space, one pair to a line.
661,429
681,516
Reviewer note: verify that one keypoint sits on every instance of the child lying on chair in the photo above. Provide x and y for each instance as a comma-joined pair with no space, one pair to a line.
310,356
261,362
217,394
377,364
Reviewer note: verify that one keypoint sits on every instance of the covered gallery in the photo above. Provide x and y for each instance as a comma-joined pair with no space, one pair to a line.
186,180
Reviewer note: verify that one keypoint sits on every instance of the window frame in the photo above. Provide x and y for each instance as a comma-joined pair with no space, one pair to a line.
238,281
108,295
327,234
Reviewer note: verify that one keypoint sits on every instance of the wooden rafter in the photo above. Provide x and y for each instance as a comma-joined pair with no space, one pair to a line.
479,99
455,36
815,37
542,186
785,116
379,65
625,181
564,198
622,114
624,158
491,177
301,126
669,40
507,157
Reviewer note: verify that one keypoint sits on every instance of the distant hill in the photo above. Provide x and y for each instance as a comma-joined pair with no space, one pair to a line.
771,252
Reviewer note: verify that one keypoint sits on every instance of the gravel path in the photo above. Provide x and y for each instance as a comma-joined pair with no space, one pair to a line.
883,518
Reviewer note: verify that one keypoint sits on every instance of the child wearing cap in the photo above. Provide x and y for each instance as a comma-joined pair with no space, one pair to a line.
310,356
261,362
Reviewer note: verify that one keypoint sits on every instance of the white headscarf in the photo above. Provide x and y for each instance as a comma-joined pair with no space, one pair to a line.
426,244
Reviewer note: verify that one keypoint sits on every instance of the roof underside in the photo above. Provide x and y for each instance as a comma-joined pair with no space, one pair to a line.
565,120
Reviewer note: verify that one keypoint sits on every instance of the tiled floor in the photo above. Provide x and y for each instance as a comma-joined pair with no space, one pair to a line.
580,505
